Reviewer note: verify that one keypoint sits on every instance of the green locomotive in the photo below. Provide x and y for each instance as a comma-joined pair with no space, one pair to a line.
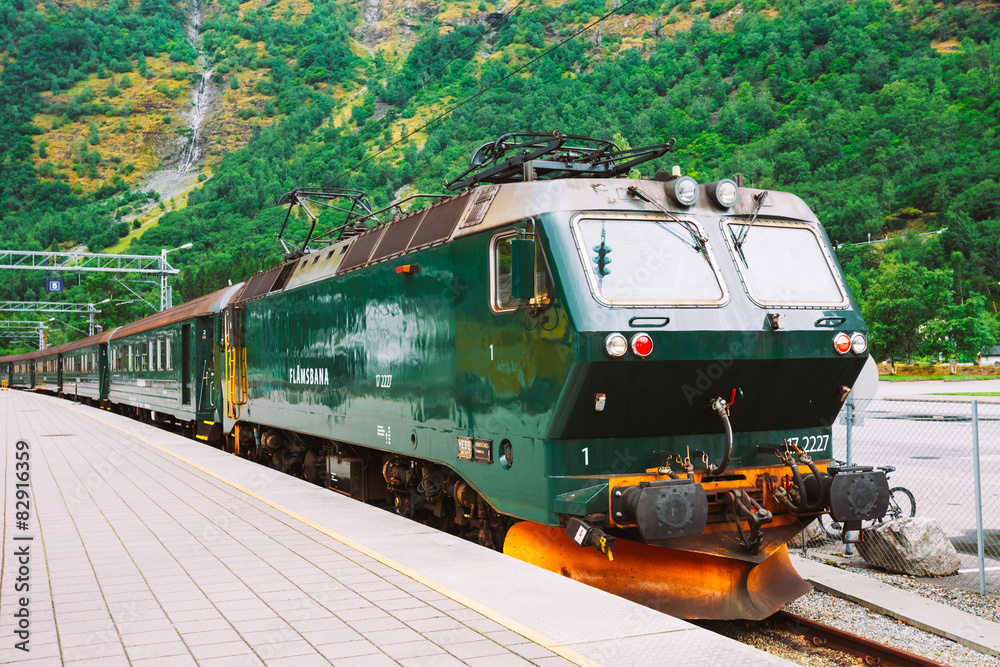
628,381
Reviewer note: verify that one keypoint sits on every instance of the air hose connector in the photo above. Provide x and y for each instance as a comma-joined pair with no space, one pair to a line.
721,407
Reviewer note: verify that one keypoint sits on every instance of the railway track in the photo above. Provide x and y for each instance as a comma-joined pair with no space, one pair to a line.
826,636
807,642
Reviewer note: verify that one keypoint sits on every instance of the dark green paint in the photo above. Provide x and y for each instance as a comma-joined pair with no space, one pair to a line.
162,389
381,359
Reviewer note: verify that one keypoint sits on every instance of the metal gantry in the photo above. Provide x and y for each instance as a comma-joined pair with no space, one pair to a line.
90,261
16,331
84,261
50,307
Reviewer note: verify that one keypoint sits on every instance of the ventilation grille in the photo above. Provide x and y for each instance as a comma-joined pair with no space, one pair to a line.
480,205
260,284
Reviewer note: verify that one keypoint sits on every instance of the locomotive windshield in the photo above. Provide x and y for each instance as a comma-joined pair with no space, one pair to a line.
647,262
786,264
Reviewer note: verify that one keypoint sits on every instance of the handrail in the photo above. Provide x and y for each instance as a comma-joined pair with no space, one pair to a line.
237,382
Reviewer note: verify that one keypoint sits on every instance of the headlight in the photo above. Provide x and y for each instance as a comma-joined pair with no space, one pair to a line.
858,343
616,345
683,190
724,192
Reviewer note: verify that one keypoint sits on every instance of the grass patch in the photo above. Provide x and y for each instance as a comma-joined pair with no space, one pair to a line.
970,393
945,378
130,139
151,218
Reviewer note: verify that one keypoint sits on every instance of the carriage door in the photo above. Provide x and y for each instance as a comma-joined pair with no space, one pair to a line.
186,364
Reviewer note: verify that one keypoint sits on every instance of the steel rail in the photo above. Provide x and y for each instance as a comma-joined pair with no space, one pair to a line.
872,652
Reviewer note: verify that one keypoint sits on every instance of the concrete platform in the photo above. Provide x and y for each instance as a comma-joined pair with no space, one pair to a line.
147,548
920,612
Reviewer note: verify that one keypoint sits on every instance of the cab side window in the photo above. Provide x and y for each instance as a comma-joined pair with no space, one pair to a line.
502,265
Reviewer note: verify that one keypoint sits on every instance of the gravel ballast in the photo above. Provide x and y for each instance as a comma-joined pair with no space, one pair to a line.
854,618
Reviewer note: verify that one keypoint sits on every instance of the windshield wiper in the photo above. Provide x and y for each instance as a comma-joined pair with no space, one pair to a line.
700,239
758,202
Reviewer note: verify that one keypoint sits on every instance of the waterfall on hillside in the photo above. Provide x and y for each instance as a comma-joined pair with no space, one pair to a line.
203,94
177,176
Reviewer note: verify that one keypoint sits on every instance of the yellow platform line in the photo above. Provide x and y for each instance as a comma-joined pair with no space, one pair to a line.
468,602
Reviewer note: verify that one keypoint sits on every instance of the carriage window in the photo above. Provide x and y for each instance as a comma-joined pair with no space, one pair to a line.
648,262
169,361
500,268
159,353
785,264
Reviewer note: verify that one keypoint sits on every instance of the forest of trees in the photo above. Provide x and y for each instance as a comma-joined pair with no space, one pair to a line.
847,104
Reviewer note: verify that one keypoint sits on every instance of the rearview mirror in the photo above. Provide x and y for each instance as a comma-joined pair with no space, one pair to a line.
522,269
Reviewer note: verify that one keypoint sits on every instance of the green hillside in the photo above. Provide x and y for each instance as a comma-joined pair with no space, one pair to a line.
883,117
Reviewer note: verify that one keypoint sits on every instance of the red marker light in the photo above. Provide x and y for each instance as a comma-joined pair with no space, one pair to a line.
642,344
408,269
842,343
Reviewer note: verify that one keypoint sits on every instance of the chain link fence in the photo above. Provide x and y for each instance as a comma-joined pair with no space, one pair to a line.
952,497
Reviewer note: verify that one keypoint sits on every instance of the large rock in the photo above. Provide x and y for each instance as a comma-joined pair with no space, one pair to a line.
916,546
815,536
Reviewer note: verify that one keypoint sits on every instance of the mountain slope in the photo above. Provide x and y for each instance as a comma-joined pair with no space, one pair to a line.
883,117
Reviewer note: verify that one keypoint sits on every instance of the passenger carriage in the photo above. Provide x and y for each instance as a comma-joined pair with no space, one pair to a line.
162,366
84,369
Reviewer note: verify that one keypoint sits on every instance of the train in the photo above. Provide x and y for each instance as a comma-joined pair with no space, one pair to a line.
629,381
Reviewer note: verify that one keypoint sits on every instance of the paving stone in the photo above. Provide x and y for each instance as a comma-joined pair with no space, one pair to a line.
154,637
397,636
531,651
163,649
367,625
505,637
556,661
270,651
380,660
272,623
200,626
252,614
347,649
507,660
108,661
453,636
439,660
210,637
134,627
9,654
232,661
168,661
362,613
223,649
476,649
425,625
411,649
408,615
318,637
311,660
